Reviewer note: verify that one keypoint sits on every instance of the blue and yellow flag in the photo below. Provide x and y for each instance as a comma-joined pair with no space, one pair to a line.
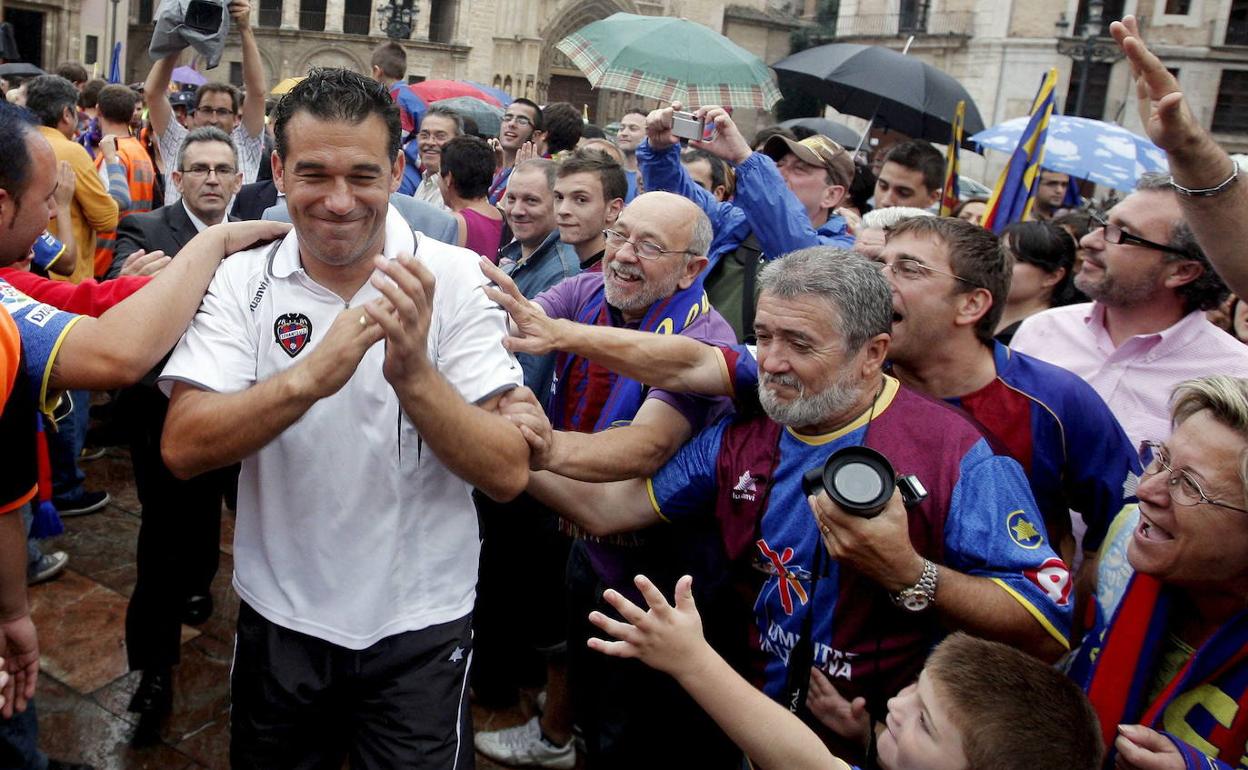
949,196
1016,188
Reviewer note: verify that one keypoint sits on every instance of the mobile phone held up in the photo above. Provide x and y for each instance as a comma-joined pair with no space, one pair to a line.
686,125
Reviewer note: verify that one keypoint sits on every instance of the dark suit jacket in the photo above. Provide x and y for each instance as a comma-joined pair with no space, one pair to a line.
253,199
168,229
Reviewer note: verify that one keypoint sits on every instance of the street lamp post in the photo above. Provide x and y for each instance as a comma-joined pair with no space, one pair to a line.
1089,48
398,18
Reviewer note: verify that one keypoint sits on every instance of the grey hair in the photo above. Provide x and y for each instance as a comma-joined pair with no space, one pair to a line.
206,134
1226,398
888,218
703,233
1208,290
851,283
449,114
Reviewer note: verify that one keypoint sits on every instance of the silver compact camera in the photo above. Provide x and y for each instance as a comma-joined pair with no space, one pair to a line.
687,126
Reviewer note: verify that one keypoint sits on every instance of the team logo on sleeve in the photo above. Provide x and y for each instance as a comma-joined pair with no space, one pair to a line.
1023,532
1053,578
292,332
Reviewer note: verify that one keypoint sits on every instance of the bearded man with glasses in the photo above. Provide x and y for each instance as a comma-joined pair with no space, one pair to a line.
1145,330
1169,650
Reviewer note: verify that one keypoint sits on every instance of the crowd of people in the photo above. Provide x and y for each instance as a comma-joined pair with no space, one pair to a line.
735,442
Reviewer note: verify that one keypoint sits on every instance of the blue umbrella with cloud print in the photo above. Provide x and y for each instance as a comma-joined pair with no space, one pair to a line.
1101,152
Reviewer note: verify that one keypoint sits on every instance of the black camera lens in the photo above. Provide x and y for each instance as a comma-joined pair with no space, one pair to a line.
858,479
859,483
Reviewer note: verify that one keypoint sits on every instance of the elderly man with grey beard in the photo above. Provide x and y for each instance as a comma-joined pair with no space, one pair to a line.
864,598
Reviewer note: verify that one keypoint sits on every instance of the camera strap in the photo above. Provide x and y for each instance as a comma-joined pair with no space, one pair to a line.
802,654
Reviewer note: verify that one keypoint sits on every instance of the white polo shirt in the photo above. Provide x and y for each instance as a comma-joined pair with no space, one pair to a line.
349,528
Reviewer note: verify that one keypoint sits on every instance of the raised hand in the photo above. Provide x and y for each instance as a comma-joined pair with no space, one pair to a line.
659,127
1166,116
527,151
240,12
848,719
408,287
728,143
532,331
666,638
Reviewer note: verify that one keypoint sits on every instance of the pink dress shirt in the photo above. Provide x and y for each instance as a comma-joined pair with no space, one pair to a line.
1136,378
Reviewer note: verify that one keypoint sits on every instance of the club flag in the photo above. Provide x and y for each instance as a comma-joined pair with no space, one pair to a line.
1016,188
114,66
949,197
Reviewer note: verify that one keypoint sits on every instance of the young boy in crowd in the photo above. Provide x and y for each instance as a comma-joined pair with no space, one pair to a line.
977,705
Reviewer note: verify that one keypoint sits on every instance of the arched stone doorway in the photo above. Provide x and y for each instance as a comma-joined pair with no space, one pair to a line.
559,80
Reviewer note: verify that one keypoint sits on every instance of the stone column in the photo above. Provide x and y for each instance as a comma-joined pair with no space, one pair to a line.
333,15
290,14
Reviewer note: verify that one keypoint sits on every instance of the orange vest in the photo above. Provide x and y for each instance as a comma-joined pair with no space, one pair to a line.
141,175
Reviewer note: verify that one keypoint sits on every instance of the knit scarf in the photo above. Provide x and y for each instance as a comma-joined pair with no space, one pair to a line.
576,406
1119,661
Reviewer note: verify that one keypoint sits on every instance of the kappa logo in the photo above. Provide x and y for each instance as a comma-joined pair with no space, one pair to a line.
1053,578
746,488
1023,532
292,332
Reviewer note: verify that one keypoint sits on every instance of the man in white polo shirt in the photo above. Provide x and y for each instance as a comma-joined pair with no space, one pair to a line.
356,545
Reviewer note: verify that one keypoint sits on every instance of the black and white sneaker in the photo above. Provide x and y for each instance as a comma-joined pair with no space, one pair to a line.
87,502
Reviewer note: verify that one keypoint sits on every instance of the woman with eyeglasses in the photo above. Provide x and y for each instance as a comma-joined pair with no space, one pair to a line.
1169,648
1044,258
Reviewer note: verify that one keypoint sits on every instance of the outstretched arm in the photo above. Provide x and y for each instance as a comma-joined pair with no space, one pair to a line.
670,639
125,342
667,361
599,509
156,91
1220,221
253,69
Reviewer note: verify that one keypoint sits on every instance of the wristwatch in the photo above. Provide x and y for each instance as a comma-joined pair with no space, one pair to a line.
922,594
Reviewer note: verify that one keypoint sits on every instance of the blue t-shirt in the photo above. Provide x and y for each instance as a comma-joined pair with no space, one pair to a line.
42,329
980,517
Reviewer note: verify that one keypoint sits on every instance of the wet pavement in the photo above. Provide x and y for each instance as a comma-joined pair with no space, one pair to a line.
84,686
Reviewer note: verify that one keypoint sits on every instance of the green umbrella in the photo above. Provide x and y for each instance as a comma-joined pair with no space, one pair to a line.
671,60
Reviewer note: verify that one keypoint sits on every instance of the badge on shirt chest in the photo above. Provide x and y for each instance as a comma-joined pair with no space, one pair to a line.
292,332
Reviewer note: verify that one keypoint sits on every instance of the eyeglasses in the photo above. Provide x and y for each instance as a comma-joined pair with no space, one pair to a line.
643,249
1115,234
1184,490
200,171
913,270
519,120
220,112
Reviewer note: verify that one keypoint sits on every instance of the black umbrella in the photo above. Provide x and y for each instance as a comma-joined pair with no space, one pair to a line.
20,69
837,132
900,92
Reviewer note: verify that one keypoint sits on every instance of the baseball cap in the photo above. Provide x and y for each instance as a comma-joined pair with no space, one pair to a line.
817,150
183,99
